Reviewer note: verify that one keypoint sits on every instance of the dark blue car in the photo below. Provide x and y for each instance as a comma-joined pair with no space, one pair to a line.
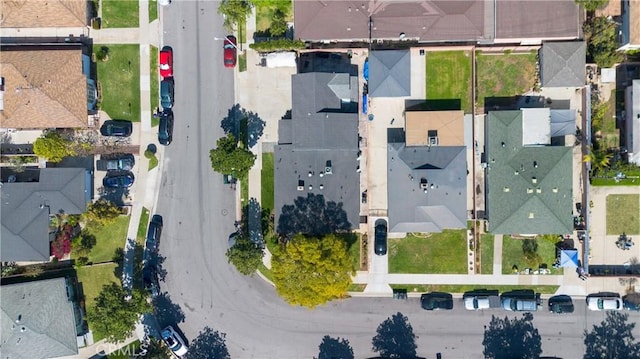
118,179
118,128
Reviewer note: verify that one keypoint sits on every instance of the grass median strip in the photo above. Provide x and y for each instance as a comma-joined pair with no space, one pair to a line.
419,288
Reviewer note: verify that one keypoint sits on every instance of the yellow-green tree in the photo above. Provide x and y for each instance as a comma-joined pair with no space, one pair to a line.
310,271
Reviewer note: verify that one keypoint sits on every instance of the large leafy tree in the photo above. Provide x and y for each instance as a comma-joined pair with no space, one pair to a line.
53,147
310,271
600,159
245,255
512,338
613,338
228,158
114,316
333,348
592,5
102,212
602,43
395,338
235,11
208,344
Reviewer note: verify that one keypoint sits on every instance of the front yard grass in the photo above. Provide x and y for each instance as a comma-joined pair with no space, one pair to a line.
119,79
120,13
512,254
155,84
142,227
486,254
93,278
153,10
449,77
442,253
504,75
622,214
108,238
266,174
544,289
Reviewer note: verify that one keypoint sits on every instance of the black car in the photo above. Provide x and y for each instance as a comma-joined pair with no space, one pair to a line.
118,128
436,301
561,304
154,232
165,129
150,280
631,302
380,245
118,179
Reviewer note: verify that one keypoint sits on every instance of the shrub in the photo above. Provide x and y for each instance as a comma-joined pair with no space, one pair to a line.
61,246
278,45
102,212
82,261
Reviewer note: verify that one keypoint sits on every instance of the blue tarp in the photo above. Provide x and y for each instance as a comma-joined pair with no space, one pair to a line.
569,258
365,70
364,104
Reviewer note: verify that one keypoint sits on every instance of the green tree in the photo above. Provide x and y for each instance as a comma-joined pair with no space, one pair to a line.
102,212
592,5
613,338
53,147
228,158
600,159
602,43
115,317
155,349
310,271
598,112
278,23
245,255
395,338
235,12
512,338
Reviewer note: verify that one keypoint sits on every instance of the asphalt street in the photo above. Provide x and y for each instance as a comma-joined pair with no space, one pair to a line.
199,212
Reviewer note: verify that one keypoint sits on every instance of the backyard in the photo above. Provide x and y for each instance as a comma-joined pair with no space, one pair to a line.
504,74
622,214
444,253
265,13
118,68
512,254
448,76
120,13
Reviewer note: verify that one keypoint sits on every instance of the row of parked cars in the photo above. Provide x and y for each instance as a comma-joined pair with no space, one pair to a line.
528,301
167,96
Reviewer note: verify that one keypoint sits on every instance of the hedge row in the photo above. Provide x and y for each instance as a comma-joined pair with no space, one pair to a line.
277,45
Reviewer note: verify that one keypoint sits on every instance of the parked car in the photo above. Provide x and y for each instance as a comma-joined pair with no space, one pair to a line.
166,62
436,301
165,128
631,301
153,233
118,128
561,304
481,299
167,92
164,2
116,162
230,51
150,280
380,237
174,341
604,301
524,300
118,179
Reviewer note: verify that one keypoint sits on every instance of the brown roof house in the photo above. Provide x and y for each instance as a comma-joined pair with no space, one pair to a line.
21,14
630,29
46,87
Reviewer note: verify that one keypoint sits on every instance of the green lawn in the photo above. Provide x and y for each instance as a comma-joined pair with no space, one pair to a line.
444,252
119,81
544,289
142,227
449,77
607,176
622,214
108,239
486,254
92,279
512,254
242,62
126,352
244,191
610,134
504,75
153,162
120,13
153,10
266,195
265,272
155,84
264,13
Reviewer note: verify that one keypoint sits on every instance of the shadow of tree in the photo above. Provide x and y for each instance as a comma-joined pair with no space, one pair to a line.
313,216
243,125
136,272
395,338
512,338
613,338
255,221
166,311
208,344
331,348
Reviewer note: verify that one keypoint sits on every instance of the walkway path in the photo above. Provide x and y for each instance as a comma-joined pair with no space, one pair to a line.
497,254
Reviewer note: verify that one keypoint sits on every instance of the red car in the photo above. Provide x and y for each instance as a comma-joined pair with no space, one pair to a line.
230,51
166,62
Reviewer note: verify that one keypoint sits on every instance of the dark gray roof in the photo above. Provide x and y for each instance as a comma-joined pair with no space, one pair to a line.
529,187
320,131
390,73
444,205
533,19
563,64
26,207
46,327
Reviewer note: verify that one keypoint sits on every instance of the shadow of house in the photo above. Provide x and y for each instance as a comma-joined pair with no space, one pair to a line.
329,62
315,160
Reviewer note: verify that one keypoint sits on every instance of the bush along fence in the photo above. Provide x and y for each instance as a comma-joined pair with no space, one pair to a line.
278,45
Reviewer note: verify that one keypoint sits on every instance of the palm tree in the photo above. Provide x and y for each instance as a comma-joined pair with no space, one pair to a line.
599,159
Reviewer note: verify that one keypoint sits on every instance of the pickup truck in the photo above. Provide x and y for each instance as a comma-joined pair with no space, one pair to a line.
484,299
121,163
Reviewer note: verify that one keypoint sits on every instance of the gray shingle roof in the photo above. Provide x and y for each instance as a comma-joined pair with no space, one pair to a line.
390,73
46,327
529,187
563,64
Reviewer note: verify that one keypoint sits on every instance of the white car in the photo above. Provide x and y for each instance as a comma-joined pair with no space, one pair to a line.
164,2
598,302
174,341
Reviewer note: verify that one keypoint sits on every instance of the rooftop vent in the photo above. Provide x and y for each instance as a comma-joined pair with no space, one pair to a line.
433,137
534,180
529,190
300,185
423,183
310,174
538,190
555,190
1,93
328,169
321,186
506,189
531,215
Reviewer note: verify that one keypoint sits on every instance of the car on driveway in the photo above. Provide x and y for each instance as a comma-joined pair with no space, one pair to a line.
167,93
166,62
436,301
118,179
380,237
561,304
174,341
121,162
165,128
118,128
604,301
230,51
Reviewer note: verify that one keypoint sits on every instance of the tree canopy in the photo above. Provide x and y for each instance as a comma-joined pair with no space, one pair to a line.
102,212
310,271
53,147
208,344
512,338
613,338
245,255
228,158
235,11
592,5
395,338
332,348
602,43
111,300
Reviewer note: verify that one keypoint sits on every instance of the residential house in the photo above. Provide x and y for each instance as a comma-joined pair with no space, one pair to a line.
630,26
48,18
316,157
529,171
46,86
39,319
563,64
29,198
429,21
389,73
632,122
427,173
